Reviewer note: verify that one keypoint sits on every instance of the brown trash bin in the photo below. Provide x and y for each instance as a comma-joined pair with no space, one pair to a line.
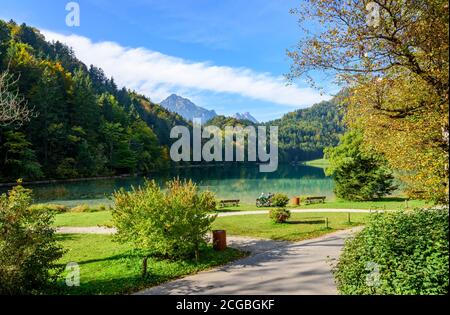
295,201
219,240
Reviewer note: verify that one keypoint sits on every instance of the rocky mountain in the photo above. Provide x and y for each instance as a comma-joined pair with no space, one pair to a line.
187,109
245,116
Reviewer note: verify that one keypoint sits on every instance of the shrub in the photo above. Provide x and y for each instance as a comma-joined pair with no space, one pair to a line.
280,200
28,248
171,223
49,207
408,251
279,215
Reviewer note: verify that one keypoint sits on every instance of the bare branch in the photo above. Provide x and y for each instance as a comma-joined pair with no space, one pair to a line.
13,107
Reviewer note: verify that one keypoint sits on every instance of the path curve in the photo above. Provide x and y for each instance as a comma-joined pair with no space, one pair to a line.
106,230
273,268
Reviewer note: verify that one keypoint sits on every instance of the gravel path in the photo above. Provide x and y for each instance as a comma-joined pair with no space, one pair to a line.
85,230
273,268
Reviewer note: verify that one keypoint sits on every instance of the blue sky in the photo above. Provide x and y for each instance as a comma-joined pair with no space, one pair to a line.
226,55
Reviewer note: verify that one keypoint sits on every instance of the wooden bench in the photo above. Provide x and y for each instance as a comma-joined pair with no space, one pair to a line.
224,203
309,200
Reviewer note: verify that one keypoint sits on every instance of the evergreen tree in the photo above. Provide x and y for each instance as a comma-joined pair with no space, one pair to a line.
358,174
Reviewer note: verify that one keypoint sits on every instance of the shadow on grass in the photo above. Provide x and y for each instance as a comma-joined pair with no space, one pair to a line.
113,282
306,222
390,199
66,237
224,210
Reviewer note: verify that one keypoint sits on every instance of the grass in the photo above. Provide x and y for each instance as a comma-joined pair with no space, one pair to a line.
390,203
299,227
107,267
322,163
83,219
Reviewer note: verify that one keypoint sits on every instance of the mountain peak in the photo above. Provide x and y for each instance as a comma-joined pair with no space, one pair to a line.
245,116
174,96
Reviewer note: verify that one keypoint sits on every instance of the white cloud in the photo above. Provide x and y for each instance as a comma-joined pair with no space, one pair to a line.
157,75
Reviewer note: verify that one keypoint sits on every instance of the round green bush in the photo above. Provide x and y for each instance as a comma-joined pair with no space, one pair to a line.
404,252
279,215
29,248
280,200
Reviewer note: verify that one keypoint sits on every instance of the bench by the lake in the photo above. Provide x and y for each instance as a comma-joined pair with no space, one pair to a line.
224,203
309,200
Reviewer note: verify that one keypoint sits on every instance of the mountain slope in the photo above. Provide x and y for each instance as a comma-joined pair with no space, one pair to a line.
187,109
84,125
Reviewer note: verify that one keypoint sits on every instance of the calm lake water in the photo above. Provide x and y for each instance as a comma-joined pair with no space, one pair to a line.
244,183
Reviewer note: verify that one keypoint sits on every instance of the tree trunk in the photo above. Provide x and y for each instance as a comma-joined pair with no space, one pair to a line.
197,252
144,266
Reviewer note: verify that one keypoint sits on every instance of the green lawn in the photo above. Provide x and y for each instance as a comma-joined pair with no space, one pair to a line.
83,218
391,203
299,227
107,267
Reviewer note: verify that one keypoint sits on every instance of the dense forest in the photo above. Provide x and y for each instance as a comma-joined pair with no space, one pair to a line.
82,125
305,133
225,121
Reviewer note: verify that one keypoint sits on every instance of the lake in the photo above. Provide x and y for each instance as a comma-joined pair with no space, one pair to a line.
228,182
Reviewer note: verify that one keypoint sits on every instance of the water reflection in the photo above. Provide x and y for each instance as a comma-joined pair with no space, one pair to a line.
228,182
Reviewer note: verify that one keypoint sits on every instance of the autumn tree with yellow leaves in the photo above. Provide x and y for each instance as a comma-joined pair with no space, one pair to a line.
392,57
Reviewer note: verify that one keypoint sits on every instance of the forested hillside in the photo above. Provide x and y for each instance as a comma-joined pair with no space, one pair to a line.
224,121
83,125
304,133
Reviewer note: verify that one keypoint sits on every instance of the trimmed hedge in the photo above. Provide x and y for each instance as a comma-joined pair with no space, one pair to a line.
404,252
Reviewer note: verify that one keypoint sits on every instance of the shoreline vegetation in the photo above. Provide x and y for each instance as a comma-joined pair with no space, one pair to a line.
83,179
313,163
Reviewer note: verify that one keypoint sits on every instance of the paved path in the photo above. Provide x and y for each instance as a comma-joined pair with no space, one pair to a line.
272,268
105,230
